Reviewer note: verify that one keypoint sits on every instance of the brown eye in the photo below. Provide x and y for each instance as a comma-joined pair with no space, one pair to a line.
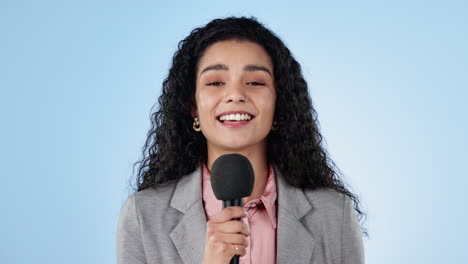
256,83
214,83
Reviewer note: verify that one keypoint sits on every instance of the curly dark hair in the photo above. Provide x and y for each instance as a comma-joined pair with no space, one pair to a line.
173,149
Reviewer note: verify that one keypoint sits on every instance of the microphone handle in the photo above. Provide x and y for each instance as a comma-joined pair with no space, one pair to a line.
228,203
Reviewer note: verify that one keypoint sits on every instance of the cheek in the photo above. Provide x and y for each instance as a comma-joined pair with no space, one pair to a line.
205,102
267,103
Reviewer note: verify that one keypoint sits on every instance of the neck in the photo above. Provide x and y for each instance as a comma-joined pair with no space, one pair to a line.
257,156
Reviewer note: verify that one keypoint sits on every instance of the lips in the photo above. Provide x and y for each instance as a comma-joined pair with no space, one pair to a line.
235,116
235,119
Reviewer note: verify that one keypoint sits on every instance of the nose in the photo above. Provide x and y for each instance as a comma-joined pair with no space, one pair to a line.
236,93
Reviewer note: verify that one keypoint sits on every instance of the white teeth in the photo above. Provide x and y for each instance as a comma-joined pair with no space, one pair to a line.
235,117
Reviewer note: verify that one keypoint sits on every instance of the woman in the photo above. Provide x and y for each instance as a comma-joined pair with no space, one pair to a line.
235,88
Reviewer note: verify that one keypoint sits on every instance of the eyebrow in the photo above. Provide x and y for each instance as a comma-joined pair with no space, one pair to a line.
248,67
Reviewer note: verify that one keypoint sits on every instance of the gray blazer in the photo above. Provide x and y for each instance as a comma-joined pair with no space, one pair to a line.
168,225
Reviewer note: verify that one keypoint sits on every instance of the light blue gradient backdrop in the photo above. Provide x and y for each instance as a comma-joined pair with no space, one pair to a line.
78,80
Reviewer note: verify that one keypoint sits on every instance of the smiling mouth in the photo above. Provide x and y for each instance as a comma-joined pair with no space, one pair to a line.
237,117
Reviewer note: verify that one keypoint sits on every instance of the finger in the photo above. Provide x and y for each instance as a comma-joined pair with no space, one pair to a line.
232,226
241,250
238,239
229,213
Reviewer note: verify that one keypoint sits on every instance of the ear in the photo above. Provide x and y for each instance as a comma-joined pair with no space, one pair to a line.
194,111
193,107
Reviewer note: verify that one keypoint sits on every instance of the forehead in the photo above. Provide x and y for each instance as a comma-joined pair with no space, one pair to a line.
234,52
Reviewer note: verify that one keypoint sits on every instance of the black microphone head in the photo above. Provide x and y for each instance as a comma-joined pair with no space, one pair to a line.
232,177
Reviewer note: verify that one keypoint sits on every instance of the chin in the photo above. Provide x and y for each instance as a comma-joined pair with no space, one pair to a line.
237,145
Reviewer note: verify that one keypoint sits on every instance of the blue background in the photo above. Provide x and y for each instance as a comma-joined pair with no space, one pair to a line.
78,80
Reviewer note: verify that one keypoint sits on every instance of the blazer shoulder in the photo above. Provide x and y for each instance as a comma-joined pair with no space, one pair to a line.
146,222
151,198
334,220
326,199
328,209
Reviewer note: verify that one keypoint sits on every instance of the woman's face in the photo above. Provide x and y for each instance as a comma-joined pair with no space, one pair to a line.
235,96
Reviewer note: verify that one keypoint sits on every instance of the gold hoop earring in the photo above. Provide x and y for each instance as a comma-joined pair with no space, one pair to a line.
274,126
196,124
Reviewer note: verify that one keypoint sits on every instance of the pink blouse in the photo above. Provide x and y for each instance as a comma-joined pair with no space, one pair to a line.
261,219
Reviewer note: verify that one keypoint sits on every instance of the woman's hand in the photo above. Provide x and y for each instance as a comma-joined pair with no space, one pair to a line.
223,235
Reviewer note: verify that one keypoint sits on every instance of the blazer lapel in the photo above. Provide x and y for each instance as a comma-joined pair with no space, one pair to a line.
294,242
189,235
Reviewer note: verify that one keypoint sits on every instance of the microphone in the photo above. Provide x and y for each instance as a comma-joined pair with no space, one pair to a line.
232,178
